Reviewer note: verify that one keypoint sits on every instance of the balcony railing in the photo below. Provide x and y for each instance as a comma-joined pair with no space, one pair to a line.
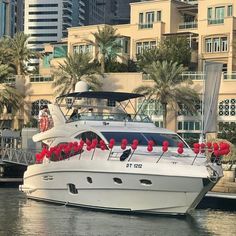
229,76
9,80
215,21
188,25
145,26
200,76
39,78
192,75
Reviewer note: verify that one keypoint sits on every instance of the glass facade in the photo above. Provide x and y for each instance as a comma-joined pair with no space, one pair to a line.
7,17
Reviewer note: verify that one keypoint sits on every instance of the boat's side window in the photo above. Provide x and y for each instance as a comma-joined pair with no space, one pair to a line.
145,182
117,180
89,179
89,135
72,189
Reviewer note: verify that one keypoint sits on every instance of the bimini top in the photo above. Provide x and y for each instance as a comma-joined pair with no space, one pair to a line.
116,96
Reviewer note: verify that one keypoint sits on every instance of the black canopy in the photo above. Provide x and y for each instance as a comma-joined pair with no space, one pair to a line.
116,96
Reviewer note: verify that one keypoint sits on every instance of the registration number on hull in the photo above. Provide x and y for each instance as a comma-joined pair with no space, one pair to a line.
132,165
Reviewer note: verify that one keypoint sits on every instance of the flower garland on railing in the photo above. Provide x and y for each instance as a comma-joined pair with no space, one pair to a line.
67,150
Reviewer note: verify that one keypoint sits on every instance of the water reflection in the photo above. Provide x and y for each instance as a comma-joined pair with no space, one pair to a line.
19,216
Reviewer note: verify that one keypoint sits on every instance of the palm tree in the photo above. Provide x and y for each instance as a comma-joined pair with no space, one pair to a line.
75,68
148,56
5,55
9,96
20,54
106,42
169,86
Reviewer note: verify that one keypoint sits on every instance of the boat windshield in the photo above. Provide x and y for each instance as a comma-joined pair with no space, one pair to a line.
143,138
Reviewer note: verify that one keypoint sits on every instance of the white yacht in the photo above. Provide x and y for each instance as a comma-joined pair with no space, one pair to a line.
106,158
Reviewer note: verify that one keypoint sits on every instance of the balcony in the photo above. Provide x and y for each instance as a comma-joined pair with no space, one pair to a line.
215,21
145,26
188,25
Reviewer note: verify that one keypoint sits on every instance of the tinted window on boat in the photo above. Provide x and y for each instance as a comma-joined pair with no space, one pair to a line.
118,136
143,138
158,139
88,135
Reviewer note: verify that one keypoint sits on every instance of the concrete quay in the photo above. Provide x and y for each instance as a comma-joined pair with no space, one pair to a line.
227,183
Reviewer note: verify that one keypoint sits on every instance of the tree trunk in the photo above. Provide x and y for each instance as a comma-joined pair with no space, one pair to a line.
18,72
164,106
102,63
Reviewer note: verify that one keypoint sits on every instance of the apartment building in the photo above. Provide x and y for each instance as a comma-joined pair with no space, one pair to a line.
209,26
48,20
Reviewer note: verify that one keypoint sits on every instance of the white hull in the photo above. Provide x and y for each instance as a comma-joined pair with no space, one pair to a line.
172,190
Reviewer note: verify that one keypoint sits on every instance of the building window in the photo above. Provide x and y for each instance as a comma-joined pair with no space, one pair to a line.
209,13
43,5
186,125
180,125
197,125
150,107
82,48
208,45
219,12
43,13
189,125
43,20
225,68
224,44
140,18
219,44
37,105
230,10
227,107
42,27
150,17
216,44
158,15
153,44
139,48
146,45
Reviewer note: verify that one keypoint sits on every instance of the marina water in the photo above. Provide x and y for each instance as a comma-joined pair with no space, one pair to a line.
21,216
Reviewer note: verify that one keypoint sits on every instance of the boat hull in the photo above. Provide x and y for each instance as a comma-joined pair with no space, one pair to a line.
144,190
